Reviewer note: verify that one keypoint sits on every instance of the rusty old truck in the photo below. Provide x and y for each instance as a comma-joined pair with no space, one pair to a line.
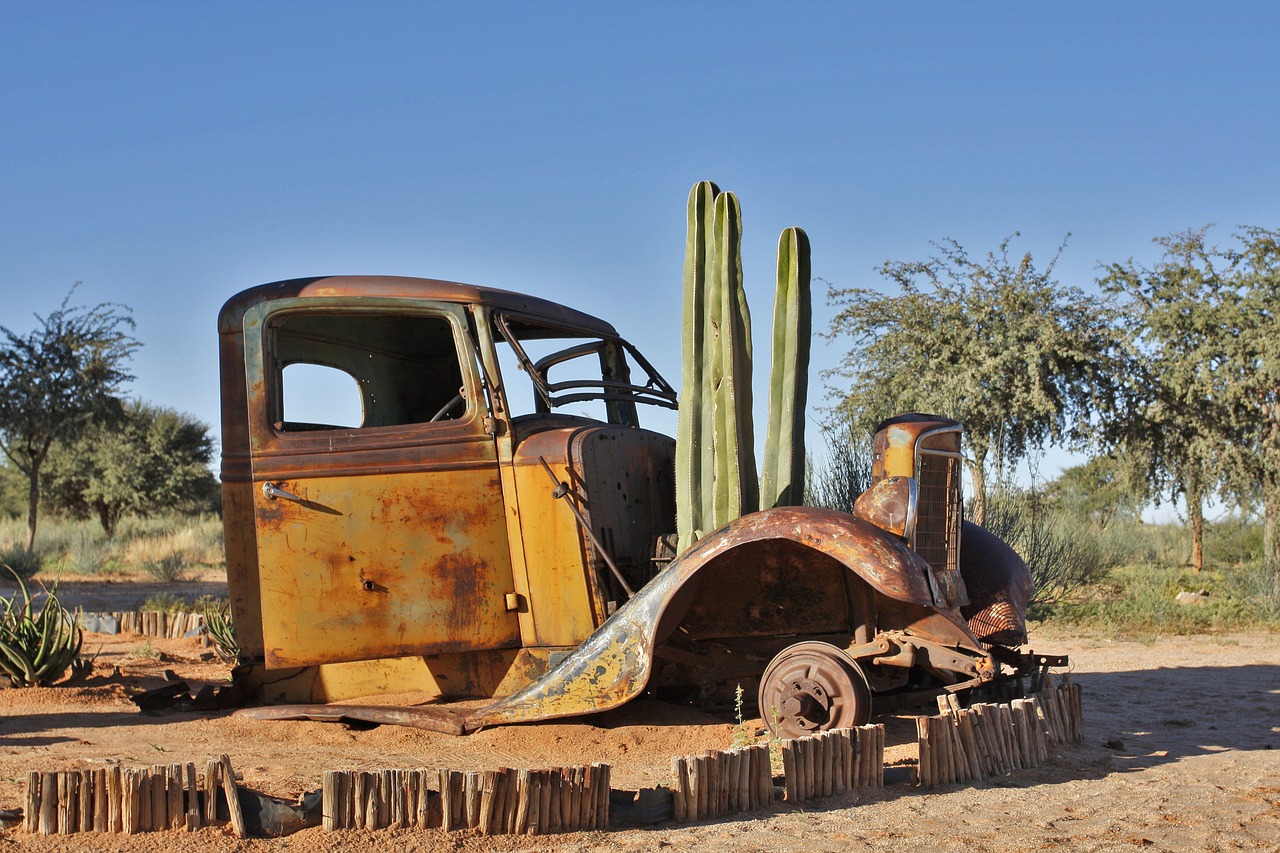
435,491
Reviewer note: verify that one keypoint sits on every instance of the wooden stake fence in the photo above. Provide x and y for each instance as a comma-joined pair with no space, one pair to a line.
155,623
128,799
833,762
961,745
496,802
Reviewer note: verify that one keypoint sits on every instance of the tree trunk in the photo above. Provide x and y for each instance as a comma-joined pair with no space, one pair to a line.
1271,531
33,507
979,481
1195,513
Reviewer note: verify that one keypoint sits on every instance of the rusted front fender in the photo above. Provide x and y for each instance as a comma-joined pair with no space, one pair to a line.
614,664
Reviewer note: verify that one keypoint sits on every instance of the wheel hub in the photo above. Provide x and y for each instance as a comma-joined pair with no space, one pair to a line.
812,687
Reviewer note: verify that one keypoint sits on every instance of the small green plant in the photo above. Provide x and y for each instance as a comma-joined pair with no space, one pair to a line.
741,734
220,630
37,648
145,652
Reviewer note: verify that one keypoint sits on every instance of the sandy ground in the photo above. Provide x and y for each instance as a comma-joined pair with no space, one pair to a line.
1198,769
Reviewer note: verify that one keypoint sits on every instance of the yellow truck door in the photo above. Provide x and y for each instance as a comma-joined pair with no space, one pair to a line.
377,499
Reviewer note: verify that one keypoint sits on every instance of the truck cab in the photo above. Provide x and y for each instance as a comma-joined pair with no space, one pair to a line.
440,491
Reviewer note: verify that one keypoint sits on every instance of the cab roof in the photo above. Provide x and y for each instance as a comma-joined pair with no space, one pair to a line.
231,317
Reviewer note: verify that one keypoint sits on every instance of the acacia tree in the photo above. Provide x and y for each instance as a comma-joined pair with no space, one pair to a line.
1250,383
1177,316
147,460
996,343
57,380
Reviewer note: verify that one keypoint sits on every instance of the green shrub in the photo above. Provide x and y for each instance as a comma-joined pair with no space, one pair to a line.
1062,561
846,473
166,602
23,563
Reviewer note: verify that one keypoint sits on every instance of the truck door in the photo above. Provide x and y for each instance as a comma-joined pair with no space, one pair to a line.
377,500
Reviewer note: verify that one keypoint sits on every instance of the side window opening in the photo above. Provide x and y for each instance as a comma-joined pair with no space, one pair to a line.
344,371
315,395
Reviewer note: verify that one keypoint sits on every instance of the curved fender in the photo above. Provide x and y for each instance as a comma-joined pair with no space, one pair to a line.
613,665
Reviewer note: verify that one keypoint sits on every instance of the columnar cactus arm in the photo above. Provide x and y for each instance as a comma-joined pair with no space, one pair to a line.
693,436
737,489
782,480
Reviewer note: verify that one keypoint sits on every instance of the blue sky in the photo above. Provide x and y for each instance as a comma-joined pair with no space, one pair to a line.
169,154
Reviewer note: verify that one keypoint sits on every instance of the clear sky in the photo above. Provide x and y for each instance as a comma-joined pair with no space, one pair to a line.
169,154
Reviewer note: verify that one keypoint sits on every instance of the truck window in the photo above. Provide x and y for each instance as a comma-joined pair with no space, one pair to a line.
339,371
547,368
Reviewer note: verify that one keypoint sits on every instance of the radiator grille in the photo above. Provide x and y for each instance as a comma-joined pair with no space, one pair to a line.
938,511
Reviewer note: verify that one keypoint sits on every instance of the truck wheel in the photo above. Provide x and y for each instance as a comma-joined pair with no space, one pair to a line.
812,687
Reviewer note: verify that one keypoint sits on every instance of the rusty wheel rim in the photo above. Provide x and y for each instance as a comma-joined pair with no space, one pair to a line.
813,687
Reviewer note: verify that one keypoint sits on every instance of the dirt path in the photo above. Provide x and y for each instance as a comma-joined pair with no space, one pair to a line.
1199,770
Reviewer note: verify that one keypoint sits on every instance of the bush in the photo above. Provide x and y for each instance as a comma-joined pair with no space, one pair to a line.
23,563
846,473
166,602
1061,559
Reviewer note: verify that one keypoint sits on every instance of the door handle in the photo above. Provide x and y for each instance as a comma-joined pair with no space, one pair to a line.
270,491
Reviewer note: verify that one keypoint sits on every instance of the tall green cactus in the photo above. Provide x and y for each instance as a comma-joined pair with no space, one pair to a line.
737,489
782,478
694,451
716,479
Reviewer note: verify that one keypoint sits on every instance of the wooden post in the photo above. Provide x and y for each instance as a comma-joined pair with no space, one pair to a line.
192,793
453,804
146,800
766,774
555,781
679,789
131,801
372,799
359,798
972,749
422,803
547,810
590,790
471,793
522,805
100,814
233,796
790,772
173,790
32,803
939,727
924,769
603,773
488,785
329,801
88,795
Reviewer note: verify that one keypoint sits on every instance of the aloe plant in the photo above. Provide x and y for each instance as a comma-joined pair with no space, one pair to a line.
37,648
782,477
220,630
